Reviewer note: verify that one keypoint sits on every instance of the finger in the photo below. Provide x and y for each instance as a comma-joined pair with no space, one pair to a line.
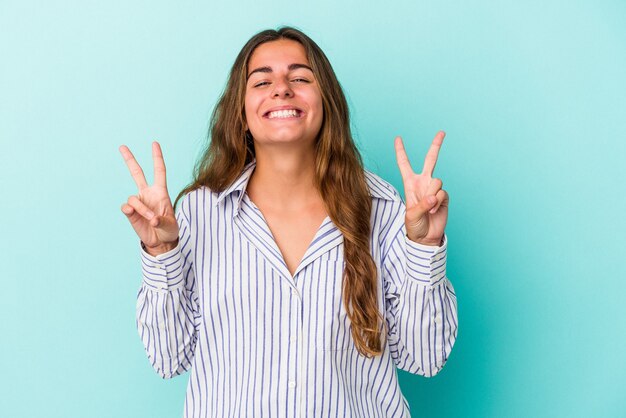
127,209
420,210
164,222
140,207
442,200
433,153
133,167
159,165
133,216
434,186
428,203
403,160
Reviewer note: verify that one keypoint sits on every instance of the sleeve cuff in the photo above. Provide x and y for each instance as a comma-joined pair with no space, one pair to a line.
426,264
164,271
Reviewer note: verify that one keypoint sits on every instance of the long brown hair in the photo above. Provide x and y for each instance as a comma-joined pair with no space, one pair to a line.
339,175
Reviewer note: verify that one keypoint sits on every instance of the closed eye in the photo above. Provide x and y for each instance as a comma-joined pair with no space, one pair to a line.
295,80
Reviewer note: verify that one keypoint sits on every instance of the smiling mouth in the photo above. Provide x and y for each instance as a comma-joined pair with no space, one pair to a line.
283,114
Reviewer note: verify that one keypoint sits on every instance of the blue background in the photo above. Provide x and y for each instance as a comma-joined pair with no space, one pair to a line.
531,94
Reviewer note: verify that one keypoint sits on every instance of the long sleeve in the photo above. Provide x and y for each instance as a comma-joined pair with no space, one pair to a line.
421,310
167,305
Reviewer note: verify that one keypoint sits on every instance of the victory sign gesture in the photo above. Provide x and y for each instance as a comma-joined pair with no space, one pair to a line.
426,201
150,212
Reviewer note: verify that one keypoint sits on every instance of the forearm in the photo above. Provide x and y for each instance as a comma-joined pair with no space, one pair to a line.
167,311
421,306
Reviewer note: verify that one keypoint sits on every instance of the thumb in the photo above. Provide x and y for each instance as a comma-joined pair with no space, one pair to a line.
426,204
162,222
418,211
166,226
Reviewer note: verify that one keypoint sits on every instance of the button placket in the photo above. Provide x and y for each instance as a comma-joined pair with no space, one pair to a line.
300,344
296,306
295,328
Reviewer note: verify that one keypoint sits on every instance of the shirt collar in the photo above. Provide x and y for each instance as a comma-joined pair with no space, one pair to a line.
239,185
378,188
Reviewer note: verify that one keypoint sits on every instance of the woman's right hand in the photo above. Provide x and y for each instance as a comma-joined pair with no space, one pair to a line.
150,212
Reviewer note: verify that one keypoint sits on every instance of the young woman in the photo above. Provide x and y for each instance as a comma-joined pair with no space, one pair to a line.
291,281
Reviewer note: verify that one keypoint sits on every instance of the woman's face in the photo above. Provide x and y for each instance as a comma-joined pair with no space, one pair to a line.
283,102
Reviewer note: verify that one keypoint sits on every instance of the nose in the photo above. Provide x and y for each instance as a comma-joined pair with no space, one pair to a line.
282,89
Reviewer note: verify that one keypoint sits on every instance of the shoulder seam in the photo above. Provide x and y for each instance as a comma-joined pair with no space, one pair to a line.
380,188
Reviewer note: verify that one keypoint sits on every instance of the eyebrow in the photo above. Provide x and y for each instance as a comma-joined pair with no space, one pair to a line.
291,67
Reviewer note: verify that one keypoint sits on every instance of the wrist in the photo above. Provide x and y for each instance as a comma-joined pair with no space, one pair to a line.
159,249
431,243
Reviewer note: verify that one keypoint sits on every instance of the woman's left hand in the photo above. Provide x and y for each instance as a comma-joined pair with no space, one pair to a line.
426,201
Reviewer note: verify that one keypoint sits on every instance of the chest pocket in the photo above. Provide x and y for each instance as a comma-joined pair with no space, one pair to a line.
330,322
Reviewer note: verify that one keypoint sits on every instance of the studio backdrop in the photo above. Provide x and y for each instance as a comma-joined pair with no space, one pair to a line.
531,95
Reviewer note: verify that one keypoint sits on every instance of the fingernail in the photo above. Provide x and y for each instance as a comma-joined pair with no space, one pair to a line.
432,200
150,214
432,211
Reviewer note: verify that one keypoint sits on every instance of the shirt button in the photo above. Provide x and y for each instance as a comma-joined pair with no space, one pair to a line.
294,292
437,320
292,384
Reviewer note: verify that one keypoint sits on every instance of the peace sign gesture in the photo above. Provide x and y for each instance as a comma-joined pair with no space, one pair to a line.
426,201
150,212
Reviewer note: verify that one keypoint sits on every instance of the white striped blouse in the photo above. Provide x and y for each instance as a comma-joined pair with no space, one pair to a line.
262,343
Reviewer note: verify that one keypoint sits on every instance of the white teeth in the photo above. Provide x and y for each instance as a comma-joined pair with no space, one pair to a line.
282,114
